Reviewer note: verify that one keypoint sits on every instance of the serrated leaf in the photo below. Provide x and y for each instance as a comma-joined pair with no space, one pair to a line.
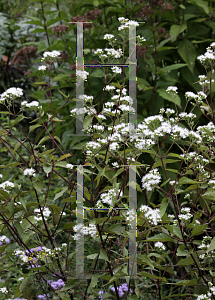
163,206
161,237
17,120
37,185
47,169
175,30
58,195
40,82
45,138
103,254
32,128
148,275
64,156
188,53
175,99
199,229
58,139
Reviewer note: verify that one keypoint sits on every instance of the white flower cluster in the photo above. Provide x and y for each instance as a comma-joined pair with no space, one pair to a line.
131,215
85,230
153,215
69,166
42,68
160,245
207,57
7,184
109,197
205,82
199,161
116,70
113,52
204,246
172,89
46,213
207,296
4,290
151,179
185,214
91,146
30,172
51,54
126,23
32,104
11,94
108,36
82,74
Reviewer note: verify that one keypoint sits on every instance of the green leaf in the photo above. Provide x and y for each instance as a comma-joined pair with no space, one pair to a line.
11,206
186,261
93,283
202,4
199,229
172,67
45,138
175,30
32,128
148,275
168,96
103,254
70,199
17,120
186,180
47,169
64,156
58,139
163,206
161,237
212,245
40,82
61,77
188,53
58,195
165,161
97,73
37,185
147,260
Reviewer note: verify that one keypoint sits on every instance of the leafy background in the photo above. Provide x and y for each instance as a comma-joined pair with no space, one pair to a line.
176,32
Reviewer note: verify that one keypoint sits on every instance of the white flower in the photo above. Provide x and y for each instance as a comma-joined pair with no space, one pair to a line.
1,175
151,179
43,68
4,290
6,185
46,213
108,36
20,278
50,54
160,245
11,93
98,51
114,146
69,166
131,215
172,88
113,52
32,104
153,215
101,117
82,74
115,69
30,172
110,87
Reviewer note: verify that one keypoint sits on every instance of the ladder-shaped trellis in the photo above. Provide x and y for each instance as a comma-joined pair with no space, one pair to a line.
132,273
